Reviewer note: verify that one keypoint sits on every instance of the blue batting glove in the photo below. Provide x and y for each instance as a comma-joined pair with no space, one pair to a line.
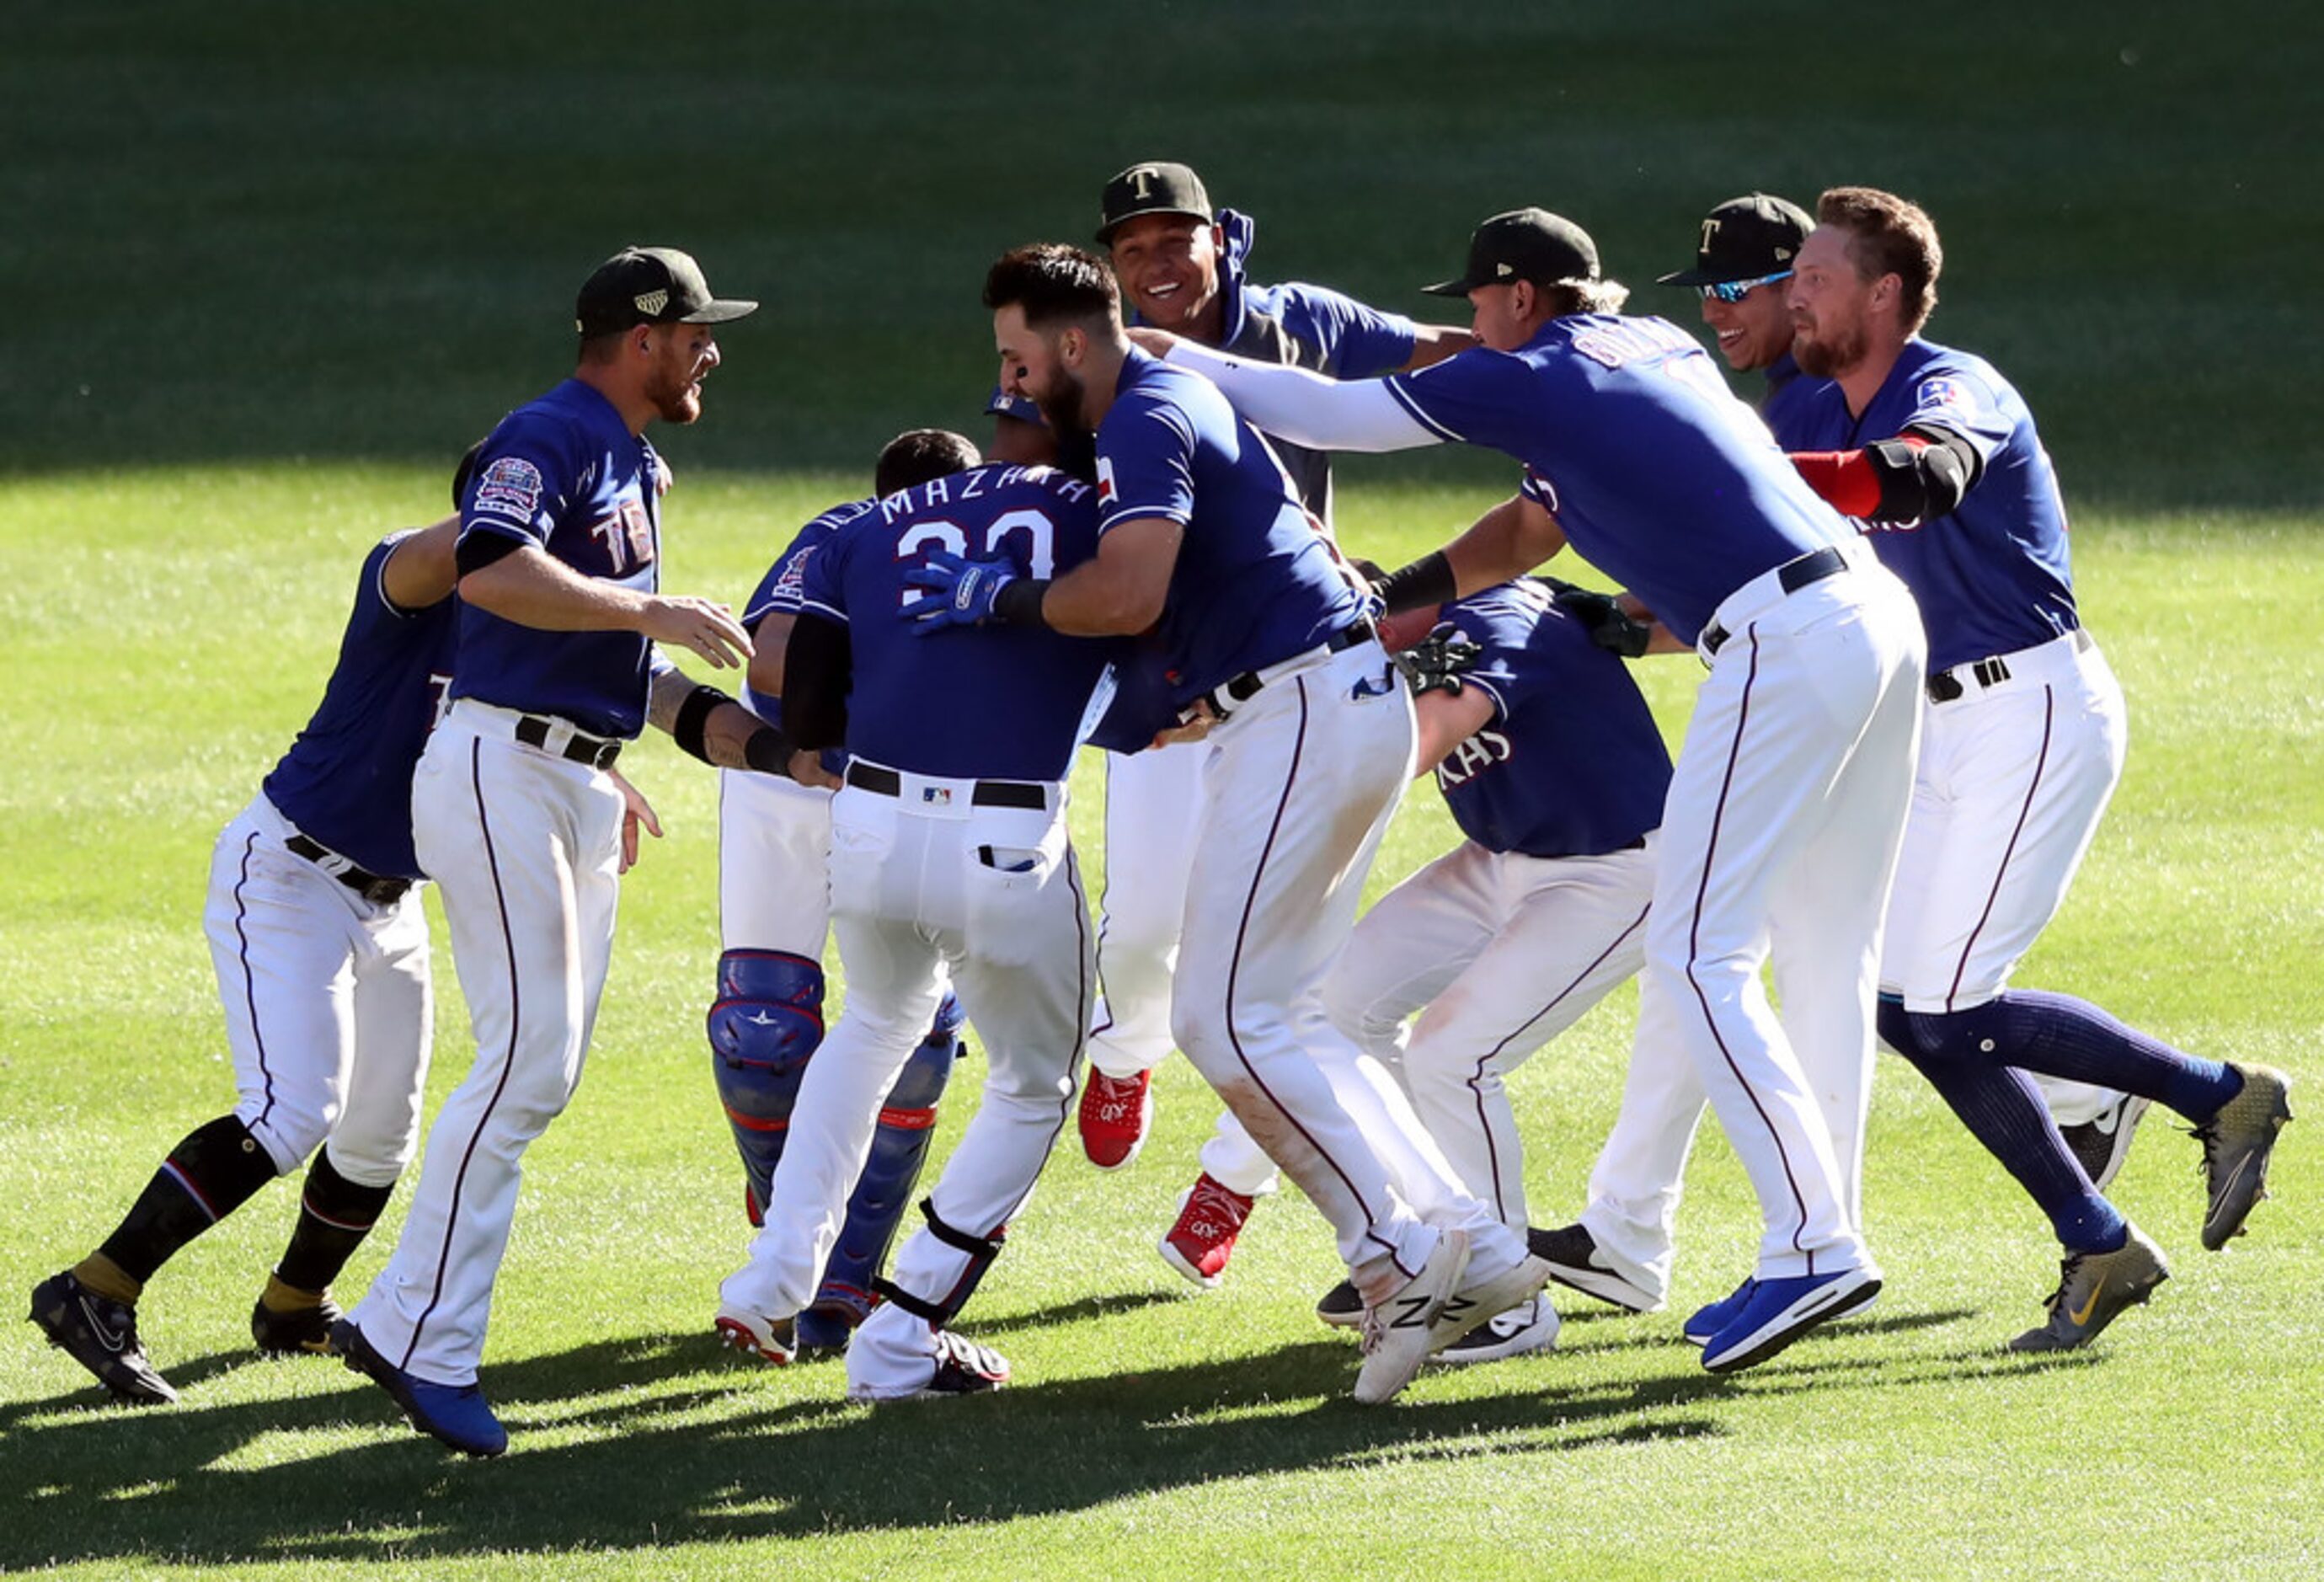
960,593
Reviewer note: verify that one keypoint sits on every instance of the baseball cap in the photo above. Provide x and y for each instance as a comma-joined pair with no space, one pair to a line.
649,285
1156,187
1524,244
1023,408
1745,238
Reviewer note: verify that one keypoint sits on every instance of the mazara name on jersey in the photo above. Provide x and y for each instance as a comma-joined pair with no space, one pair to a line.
978,482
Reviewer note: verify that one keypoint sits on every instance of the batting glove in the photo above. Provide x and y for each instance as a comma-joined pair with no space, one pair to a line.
960,593
1609,626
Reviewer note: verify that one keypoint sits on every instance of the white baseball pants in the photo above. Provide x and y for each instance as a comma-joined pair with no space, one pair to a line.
328,1009
925,882
1301,782
1781,826
526,847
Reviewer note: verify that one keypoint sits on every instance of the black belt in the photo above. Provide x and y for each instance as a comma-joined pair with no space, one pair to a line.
1947,685
985,793
1236,690
596,752
1793,575
371,887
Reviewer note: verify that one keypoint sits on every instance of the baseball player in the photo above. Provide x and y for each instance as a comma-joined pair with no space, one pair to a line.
1184,268
1266,646
949,856
1553,768
1620,1249
321,950
774,842
511,806
2025,734
1789,796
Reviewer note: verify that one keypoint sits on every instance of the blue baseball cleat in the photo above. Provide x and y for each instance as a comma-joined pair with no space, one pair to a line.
1779,1312
456,1414
1708,1321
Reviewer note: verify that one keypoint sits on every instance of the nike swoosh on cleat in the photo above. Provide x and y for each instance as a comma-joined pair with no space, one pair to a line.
2089,1307
97,1328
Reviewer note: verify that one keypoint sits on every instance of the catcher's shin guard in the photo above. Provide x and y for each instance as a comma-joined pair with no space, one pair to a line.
767,1020
980,1253
900,1147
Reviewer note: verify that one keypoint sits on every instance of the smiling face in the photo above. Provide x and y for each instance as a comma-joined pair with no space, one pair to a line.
1168,267
681,356
1755,332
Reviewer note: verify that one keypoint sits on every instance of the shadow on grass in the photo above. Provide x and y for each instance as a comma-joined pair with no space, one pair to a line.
675,1452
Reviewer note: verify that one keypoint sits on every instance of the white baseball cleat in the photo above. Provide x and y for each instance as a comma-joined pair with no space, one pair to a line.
770,1340
960,1368
1530,1326
1401,1332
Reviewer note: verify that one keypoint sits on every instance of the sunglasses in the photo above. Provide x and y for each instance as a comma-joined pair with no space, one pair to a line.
1735,291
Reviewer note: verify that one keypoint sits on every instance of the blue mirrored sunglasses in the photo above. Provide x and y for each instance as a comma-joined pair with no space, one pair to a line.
1735,291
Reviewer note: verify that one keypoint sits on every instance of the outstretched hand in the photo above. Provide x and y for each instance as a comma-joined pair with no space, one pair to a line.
960,592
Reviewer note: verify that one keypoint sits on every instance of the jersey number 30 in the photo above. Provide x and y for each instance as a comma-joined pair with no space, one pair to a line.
1039,535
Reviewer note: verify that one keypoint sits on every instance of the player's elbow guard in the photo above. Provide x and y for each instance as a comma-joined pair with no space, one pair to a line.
1921,475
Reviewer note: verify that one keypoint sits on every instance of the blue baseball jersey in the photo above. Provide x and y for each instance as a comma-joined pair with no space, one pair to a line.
565,474
1995,575
778,592
992,702
347,781
1788,387
1571,764
1255,583
1659,475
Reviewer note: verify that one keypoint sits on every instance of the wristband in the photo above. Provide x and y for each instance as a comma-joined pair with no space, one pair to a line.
1018,602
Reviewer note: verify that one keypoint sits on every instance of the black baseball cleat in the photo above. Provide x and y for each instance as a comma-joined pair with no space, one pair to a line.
295,1331
1572,1254
1342,1308
2093,1290
2236,1143
100,1334
2102,1143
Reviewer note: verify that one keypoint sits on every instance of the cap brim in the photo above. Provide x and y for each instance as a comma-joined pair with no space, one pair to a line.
1449,288
720,311
1699,276
1105,232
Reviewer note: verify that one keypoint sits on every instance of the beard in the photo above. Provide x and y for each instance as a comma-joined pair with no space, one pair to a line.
1061,404
674,396
1829,354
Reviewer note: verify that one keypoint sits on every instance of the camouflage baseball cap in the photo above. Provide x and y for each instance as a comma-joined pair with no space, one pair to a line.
1156,187
649,285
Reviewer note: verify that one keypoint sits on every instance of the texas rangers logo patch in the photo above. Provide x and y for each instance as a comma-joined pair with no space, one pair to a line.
510,486
1945,393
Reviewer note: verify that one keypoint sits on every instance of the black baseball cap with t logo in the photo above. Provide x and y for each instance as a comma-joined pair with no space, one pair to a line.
1156,187
1751,238
1524,244
649,285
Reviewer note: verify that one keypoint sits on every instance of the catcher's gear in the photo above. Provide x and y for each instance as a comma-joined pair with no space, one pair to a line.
1601,614
900,1147
768,1019
1437,660
981,1251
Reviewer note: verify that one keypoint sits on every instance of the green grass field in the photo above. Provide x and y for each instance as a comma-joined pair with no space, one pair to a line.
275,265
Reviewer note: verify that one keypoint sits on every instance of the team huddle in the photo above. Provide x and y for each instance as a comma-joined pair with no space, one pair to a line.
1900,750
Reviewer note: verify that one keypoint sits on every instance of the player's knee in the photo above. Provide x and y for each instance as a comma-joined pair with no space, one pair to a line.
1932,1039
767,1020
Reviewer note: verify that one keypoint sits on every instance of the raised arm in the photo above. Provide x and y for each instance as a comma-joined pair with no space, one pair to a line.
1305,408
532,588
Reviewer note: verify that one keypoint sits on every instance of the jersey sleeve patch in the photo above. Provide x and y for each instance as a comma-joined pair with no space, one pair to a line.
510,486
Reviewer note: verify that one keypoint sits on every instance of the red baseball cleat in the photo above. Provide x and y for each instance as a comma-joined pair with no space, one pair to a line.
1115,1113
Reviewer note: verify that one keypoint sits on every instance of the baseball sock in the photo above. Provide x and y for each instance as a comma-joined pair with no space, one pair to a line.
2058,1035
335,1215
2004,1111
207,1177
